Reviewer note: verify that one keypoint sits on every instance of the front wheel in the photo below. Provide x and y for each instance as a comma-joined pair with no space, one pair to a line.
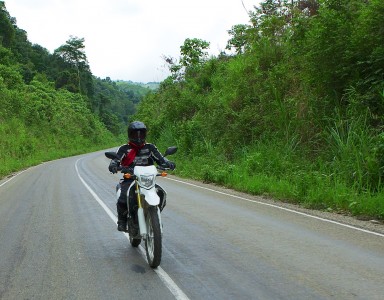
153,240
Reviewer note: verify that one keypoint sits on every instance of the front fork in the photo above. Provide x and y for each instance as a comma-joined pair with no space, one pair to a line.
141,217
140,214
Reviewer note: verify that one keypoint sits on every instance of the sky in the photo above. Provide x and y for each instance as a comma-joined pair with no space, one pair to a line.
127,39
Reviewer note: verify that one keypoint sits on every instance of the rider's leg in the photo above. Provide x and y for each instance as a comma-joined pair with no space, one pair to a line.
132,215
122,209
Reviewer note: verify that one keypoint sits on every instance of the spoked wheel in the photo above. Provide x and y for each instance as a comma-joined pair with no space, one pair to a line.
153,240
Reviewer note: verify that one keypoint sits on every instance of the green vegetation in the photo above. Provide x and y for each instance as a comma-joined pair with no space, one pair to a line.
297,113
51,105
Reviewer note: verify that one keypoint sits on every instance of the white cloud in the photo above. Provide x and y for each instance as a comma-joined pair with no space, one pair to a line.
125,39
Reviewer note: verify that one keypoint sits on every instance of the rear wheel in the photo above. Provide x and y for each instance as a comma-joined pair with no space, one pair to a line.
134,233
135,242
153,240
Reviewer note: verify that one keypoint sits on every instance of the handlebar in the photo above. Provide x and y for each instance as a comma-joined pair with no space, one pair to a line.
125,170
130,171
162,168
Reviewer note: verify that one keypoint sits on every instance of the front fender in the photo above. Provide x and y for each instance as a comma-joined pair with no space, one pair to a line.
151,197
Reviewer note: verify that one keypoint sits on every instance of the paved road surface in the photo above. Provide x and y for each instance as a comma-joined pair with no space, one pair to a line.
58,242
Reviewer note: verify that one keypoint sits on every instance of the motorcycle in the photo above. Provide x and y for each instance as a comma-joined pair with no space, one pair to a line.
150,200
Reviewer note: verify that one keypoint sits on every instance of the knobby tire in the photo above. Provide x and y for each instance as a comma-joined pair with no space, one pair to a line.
153,243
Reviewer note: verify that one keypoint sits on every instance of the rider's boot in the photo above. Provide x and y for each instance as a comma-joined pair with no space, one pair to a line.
133,226
121,218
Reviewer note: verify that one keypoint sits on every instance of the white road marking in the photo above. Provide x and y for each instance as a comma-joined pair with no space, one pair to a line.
17,174
212,190
165,278
279,207
12,178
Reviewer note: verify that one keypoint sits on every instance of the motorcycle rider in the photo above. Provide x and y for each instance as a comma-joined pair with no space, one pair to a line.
135,153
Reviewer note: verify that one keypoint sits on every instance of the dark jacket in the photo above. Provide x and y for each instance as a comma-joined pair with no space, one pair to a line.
146,156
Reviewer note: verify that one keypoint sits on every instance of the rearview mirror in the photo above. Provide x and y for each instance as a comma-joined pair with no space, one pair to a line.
111,155
170,150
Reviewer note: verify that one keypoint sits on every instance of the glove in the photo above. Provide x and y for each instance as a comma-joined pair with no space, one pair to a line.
171,165
168,164
113,166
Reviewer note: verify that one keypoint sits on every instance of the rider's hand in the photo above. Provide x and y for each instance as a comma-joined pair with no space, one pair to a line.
113,166
168,164
171,165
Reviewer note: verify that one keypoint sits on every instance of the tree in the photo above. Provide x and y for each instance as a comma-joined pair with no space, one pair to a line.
192,52
308,7
7,30
73,51
192,55
239,38
173,67
73,54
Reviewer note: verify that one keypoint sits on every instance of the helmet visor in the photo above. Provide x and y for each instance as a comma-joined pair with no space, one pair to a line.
138,135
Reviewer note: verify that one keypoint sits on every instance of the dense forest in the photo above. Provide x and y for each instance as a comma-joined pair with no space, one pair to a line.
294,110
51,105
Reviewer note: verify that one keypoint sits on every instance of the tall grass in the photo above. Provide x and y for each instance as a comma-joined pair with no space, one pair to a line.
280,169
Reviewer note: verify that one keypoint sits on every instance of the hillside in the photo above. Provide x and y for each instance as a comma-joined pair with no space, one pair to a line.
51,105
140,87
294,112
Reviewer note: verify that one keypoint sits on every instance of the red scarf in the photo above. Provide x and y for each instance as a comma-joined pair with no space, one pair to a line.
131,154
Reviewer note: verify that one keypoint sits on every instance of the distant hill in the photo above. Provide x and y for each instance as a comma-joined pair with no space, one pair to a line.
138,87
151,85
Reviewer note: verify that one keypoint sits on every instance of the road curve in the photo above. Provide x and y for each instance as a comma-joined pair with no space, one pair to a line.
58,242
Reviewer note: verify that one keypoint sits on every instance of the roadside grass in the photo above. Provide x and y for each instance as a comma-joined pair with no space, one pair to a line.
21,148
288,176
9,165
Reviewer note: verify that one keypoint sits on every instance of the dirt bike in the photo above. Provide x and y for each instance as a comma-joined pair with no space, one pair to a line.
150,200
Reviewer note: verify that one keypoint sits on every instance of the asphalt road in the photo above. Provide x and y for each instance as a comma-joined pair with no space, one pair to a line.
58,240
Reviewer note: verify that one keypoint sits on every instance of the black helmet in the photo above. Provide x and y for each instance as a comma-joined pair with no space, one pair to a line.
137,132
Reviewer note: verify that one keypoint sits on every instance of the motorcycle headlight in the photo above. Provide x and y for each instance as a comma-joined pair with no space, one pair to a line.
147,181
